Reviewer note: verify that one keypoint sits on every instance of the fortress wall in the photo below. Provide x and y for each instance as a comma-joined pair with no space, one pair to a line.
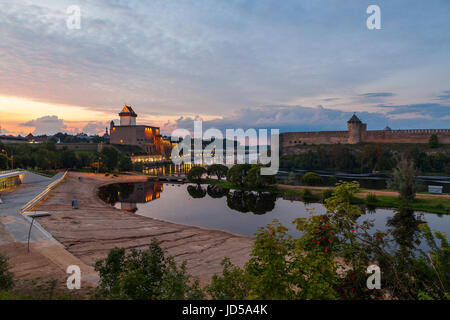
406,136
290,139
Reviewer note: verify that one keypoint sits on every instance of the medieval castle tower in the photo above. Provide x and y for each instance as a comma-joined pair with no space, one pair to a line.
357,132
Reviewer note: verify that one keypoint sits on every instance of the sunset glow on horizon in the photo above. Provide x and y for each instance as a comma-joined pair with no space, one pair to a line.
303,65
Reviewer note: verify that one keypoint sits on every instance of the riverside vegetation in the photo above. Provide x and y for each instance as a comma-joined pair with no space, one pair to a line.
328,261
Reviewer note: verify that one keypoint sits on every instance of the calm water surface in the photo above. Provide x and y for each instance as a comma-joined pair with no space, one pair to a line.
237,212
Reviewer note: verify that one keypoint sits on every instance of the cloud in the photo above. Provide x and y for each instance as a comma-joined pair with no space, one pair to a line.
93,128
445,96
185,57
371,95
46,125
374,97
300,118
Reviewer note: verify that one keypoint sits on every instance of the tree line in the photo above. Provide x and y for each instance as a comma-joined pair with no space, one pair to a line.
45,156
372,157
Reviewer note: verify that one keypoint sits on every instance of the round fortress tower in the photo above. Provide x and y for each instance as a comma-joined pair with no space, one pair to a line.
356,130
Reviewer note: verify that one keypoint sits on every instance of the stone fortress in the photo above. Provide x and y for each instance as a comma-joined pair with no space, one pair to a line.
148,138
357,132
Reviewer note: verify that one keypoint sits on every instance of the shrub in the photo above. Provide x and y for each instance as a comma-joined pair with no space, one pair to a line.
312,179
195,174
143,275
232,285
291,178
327,193
6,277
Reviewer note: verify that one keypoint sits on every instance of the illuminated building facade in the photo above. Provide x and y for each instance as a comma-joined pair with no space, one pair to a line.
129,133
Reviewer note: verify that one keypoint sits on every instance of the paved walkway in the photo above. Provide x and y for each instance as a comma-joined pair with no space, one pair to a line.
13,200
47,258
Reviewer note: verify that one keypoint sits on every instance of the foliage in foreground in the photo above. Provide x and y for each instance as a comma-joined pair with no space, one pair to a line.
329,260
6,277
147,274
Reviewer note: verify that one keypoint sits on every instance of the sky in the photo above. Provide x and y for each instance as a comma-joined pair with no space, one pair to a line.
295,65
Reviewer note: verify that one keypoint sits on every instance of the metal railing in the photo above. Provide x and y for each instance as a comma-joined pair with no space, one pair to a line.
9,171
32,203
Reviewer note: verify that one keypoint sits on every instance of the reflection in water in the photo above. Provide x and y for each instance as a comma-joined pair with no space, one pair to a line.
168,169
404,228
247,201
216,192
218,208
196,191
129,194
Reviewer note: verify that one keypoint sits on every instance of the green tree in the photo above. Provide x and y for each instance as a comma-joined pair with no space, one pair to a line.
404,180
433,142
145,275
237,173
218,170
195,174
125,164
6,277
3,161
110,157
254,179
68,159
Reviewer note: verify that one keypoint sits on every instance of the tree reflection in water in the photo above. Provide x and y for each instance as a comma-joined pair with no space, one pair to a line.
216,192
196,191
242,201
247,201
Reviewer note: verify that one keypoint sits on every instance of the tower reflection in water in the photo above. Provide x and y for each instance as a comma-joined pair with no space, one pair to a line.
130,194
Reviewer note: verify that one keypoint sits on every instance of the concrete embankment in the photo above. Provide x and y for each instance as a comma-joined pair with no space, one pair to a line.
95,228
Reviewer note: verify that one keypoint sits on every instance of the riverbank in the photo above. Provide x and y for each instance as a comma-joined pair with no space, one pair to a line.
432,203
91,231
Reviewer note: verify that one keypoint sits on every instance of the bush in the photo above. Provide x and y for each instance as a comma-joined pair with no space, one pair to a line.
328,193
6,277
144,275
195,174
291,178
218,170
312,179
232,285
